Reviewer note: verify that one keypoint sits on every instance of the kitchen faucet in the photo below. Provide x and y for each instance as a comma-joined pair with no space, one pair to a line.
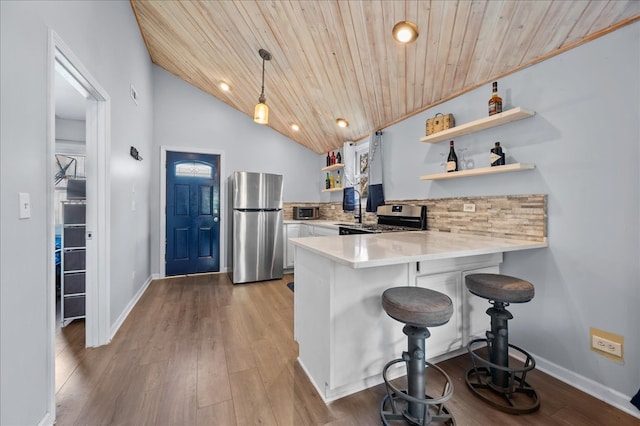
359,215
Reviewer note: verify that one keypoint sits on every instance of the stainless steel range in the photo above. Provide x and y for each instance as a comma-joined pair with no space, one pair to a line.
391,218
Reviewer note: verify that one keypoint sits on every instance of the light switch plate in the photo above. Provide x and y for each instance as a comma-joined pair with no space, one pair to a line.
24,205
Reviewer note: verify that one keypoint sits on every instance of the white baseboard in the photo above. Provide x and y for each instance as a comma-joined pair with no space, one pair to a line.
593,388
125,313
47,420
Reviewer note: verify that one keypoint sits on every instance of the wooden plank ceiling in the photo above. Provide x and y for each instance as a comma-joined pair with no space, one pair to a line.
336,58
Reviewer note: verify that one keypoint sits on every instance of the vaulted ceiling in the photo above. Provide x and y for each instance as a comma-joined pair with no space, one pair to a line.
336,58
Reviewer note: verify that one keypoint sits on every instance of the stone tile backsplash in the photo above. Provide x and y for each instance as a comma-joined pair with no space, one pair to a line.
521,217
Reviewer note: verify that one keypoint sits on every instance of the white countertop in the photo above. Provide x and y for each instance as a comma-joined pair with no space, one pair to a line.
324,223
369,250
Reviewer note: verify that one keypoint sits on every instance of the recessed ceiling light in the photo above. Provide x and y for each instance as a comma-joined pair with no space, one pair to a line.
405,32
295,127
342,122
225,86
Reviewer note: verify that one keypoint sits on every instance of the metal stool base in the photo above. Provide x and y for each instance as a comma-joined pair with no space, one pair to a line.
518,398
393,407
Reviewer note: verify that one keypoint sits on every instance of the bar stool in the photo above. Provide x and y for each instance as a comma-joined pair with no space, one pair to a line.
493,380
418,308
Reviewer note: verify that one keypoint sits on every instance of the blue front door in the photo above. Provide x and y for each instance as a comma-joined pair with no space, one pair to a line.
193,213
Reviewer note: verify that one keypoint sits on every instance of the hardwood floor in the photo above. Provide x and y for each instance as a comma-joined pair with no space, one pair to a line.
198,350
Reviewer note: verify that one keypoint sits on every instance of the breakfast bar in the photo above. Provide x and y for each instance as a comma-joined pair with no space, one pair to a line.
344,336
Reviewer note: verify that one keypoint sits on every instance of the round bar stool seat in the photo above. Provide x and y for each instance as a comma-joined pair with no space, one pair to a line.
494,380
418,308
502,288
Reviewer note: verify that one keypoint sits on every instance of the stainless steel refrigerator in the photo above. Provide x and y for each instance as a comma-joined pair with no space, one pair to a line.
257,227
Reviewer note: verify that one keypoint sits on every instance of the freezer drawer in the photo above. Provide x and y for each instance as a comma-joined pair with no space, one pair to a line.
257,246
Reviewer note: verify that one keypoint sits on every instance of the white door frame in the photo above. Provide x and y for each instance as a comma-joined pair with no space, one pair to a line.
163,203
98,144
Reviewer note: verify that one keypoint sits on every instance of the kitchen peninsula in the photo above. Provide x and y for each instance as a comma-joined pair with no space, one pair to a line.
344,336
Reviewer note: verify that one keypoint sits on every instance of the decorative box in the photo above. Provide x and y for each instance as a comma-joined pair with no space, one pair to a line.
439,123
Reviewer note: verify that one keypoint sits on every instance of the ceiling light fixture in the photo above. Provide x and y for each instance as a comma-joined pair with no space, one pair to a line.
342,122
405,32
224,86
261,113
295,127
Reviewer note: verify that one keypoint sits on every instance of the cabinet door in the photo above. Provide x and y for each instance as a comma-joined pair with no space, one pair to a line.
321,231
474,308
447,337
293,231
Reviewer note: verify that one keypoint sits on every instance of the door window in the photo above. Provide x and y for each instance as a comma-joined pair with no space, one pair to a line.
193,169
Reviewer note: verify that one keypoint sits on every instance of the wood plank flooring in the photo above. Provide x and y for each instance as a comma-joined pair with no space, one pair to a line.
198,350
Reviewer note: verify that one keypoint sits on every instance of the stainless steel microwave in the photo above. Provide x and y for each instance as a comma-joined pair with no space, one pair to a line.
304,213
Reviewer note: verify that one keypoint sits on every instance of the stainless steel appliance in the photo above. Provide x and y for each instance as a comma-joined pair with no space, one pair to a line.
304,213
257,227
391,218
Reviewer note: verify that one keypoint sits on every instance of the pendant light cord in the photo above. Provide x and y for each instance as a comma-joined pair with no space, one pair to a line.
261,99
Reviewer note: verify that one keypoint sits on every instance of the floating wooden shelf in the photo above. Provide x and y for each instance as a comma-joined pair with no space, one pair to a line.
481,124
333,167
482,171
332,190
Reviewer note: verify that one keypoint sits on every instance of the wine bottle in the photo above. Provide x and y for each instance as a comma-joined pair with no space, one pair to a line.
332,182
333,158
328,159
452,159
338,184
497,156
327,182
495,103
338,158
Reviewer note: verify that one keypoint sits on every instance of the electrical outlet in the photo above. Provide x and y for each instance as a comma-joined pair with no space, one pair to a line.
606,345
471,208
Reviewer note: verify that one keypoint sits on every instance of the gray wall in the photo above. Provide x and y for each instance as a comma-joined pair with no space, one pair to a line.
106,39
186,117
584,140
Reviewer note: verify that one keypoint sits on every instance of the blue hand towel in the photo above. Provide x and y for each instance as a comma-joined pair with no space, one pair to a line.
348,199
375,198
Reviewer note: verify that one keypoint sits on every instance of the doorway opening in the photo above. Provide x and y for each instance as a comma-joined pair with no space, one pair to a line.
81,170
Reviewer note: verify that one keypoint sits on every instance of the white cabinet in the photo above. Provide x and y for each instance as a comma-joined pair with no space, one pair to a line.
469,319
447,337
295,230
291,230
475,318
323,231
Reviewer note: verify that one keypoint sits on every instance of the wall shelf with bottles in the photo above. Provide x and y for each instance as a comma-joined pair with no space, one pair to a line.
333,167
332,189
481,171
504,117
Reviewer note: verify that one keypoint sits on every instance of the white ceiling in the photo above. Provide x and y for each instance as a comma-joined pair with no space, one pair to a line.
70,104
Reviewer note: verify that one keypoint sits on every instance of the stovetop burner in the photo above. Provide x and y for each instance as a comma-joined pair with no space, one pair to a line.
392,218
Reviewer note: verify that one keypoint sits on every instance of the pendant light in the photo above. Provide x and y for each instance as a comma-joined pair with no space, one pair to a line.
261,113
